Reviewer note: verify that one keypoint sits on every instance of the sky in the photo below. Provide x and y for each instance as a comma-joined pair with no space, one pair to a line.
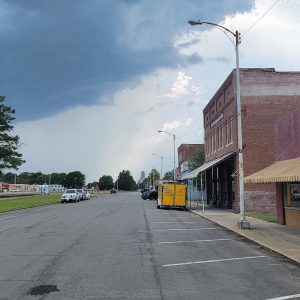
93,81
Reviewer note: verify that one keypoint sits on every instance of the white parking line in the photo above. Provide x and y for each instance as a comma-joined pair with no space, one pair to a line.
196,241
286,297
174,222
182,229
213,261
12,217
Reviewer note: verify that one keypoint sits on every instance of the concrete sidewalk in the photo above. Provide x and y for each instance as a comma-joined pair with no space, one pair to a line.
278,238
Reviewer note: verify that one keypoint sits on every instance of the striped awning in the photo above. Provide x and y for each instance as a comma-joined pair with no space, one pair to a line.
281,171
205,166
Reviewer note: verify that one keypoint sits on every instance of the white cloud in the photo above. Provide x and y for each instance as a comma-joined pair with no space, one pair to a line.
179,87
102,140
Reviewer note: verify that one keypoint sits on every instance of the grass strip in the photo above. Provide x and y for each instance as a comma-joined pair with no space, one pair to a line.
269,217
26,202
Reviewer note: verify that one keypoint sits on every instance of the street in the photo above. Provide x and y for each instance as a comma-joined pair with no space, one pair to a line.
122,247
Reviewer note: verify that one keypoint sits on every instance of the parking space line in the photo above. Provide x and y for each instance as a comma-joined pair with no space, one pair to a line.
183,229
174,222
214,261
195,241
7,229
286,297
11,217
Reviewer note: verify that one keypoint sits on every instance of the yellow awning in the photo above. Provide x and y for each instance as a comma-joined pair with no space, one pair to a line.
281,171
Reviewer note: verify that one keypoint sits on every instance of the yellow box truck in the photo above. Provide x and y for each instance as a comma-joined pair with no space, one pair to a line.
171,194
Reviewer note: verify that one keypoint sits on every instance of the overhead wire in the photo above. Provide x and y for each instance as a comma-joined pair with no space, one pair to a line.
261,17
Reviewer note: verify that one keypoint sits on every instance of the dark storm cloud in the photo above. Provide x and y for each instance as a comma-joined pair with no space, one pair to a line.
56,54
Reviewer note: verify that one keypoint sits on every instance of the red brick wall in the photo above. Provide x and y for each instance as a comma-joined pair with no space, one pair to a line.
287,136
187,151
266,95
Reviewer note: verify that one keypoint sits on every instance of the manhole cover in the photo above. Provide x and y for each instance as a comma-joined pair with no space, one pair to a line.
43,289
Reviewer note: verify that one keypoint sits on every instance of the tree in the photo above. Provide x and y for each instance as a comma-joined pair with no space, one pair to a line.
9,177
197,161
153,176
126,181
169,175
58,178
9,157
74,180
36,178
106,182
94,184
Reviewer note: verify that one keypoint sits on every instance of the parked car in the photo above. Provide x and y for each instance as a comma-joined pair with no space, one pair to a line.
81,194
70,195
149,194
87,195
153,195
113,191
145,194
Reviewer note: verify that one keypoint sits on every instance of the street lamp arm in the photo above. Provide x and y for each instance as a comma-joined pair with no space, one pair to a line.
193,23
160,131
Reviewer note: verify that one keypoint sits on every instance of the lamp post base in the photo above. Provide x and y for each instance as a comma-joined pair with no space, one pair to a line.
243,224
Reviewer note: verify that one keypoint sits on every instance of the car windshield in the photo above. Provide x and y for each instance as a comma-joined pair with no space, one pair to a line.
70,191
79,191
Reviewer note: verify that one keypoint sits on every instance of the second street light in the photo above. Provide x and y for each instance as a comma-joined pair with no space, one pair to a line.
243,223
174,137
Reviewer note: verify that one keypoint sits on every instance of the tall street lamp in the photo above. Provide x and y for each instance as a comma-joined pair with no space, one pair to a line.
243,223
161,162
174,137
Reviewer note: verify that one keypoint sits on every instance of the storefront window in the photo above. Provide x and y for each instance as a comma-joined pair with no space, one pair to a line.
292,192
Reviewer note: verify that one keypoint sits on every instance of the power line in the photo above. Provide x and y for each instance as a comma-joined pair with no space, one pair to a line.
260,18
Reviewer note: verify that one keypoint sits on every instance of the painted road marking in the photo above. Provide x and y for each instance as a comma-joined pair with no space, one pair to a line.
174,222
12,217
7,229
286,297
213,261
182,229
196,241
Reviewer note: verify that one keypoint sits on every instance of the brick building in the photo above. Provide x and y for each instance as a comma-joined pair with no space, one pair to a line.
285,171
185,153
266,95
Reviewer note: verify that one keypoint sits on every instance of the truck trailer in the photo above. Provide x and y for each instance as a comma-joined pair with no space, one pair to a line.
171,194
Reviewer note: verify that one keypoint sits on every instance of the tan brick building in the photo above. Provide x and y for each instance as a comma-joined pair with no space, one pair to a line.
265,96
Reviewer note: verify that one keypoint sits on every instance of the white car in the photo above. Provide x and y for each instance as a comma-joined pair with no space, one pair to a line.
87,195
70,195
81,193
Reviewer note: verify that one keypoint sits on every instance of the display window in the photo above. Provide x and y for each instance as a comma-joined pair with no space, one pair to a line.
292,194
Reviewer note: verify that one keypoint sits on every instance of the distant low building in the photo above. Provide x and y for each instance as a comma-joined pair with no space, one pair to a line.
56,188
4,187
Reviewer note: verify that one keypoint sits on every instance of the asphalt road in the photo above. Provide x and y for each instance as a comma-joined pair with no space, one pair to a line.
121,247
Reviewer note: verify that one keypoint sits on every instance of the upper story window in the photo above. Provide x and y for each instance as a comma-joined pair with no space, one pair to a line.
220,137
231,130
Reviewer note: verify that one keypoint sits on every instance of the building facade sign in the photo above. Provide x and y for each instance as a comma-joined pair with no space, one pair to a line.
218,119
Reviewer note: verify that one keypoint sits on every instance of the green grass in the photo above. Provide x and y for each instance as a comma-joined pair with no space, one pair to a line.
26,202
269,217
